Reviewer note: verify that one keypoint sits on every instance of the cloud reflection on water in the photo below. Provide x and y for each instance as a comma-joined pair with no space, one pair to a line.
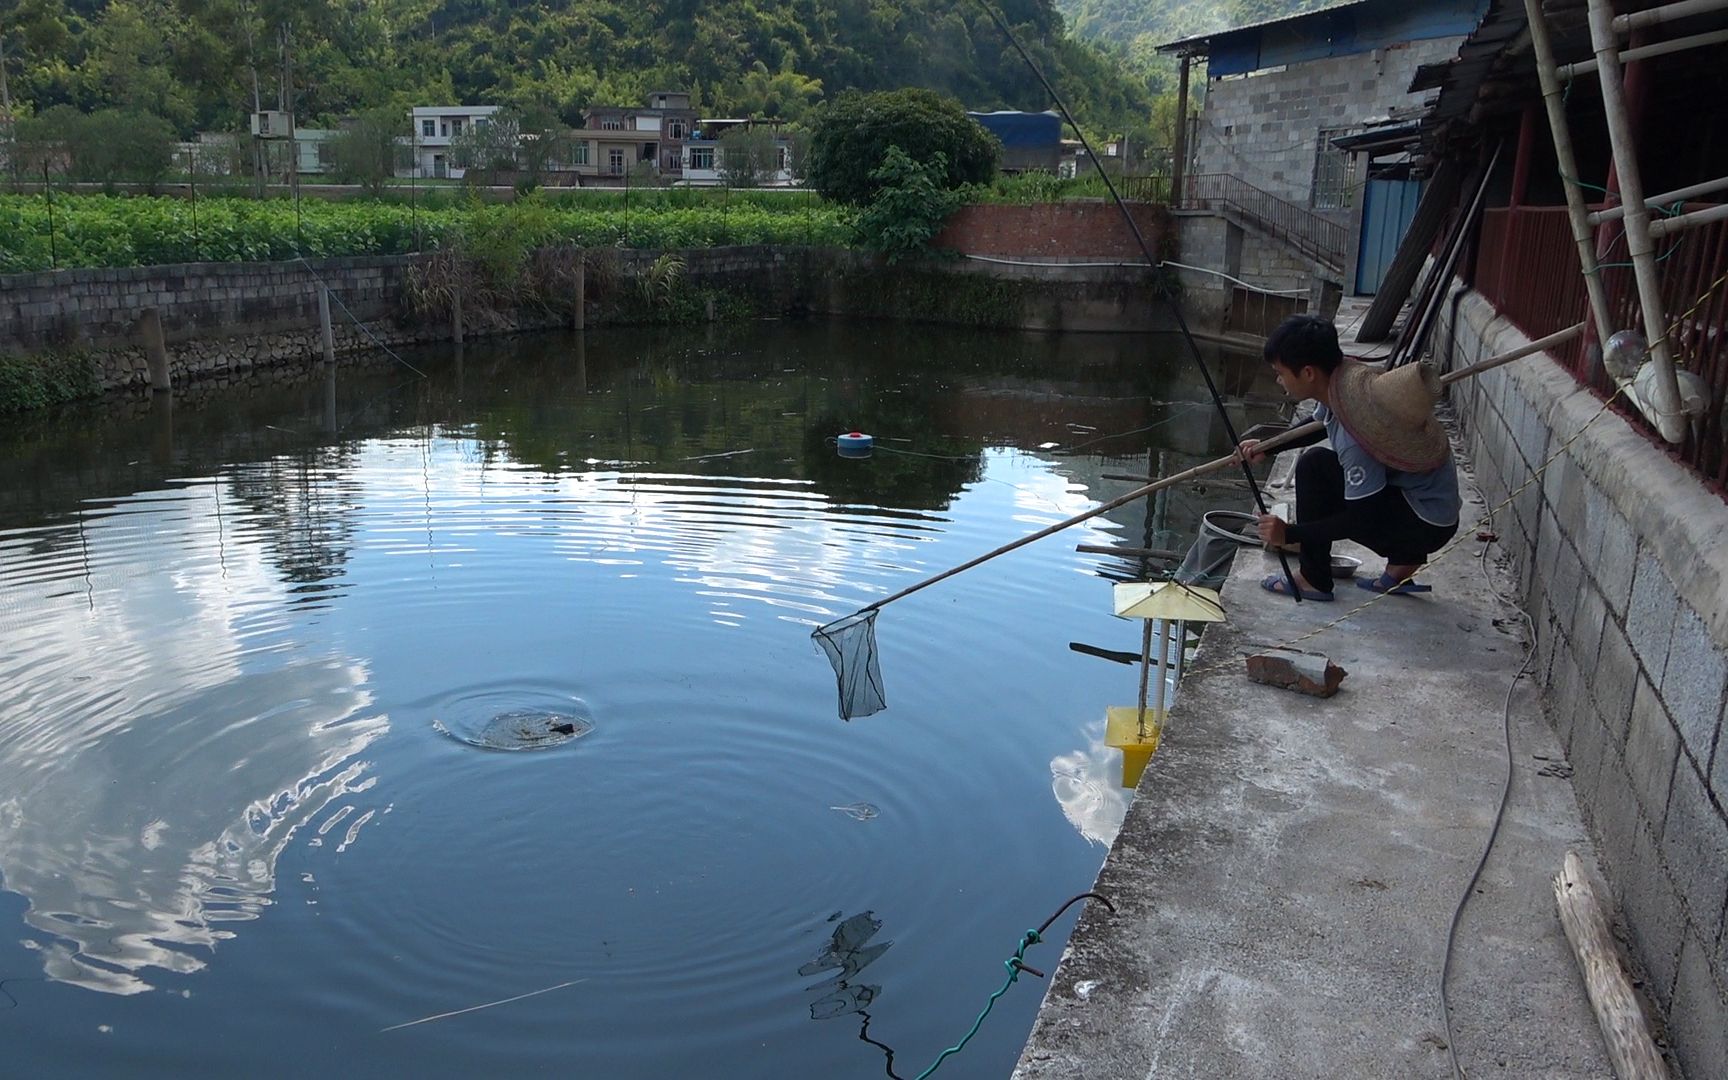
162,743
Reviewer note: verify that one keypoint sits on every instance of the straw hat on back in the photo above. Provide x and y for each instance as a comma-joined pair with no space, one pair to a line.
1391,413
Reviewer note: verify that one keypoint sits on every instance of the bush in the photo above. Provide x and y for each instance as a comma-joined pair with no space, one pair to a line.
852,136
366,151
909,206
110,230
32,382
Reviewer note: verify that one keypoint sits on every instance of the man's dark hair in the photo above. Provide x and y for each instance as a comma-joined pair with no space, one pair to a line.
1305,340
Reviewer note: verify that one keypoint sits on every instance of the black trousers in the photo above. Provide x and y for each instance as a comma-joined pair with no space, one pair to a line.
1382,523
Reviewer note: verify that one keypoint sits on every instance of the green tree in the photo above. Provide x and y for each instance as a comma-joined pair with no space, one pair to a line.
852,136
489,146
108,146
777,95
544,139
366,151
749,156
910,205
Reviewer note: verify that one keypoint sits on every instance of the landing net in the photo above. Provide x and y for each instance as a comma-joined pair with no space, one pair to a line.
851,647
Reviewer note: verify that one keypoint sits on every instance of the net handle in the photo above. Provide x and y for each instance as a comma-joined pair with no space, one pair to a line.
1274,443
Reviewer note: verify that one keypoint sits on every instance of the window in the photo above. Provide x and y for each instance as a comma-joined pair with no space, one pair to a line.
581,152
782,159
429,128
615,161
1334,172
675,129
444,129
480,123
701,157
456,126
612,123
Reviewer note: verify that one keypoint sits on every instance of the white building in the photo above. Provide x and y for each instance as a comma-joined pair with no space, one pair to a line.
434,128
703,154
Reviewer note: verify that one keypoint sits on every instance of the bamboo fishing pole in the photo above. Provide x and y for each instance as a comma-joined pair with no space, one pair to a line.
1276,442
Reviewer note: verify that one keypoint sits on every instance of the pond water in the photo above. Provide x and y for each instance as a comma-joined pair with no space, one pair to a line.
331,707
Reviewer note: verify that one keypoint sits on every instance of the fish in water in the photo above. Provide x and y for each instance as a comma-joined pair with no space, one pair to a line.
858,811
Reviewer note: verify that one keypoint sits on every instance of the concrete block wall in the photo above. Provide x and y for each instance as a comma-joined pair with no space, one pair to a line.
224,320
1213,242
1263,127
1624,571
1080,229
98,307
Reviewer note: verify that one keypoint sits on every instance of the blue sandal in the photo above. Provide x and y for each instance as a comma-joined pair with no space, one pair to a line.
1386,583
1276,583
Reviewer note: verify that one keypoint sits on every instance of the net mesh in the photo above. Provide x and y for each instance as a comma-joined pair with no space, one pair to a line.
850,643
1207,563
851,647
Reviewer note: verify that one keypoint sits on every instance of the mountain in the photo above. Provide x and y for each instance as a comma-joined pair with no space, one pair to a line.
1138,27
203,63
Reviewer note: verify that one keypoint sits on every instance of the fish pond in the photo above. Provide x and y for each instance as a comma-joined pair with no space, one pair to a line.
467,722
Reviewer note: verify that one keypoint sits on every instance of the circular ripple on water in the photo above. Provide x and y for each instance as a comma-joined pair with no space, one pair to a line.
493,718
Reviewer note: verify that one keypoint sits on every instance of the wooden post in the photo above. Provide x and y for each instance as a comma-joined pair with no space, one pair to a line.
456,316
324,327
579,316
1179,153
155,350
1630,1047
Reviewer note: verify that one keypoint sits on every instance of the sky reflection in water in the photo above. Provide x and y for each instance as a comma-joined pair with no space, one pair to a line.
230,633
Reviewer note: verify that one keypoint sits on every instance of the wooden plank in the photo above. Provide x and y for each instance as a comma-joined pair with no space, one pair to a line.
1129,552
1630,1047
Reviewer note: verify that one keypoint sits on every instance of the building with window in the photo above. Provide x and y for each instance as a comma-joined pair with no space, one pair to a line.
619,140
1278,153
433,129
705,161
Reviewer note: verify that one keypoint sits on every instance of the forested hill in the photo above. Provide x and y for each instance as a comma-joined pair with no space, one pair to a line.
1142,25
197,62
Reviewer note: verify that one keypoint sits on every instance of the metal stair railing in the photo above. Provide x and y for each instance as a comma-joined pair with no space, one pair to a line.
1314,236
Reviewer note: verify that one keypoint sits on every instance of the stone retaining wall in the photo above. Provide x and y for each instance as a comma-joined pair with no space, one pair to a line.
1625,573
224,320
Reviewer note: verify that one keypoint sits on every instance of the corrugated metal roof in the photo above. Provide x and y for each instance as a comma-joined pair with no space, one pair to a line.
1190,44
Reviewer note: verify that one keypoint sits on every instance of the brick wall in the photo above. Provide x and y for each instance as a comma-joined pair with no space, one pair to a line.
1078,229
1263,127
1624,572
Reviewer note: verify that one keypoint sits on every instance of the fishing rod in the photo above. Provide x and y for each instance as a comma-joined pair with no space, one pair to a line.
1146,250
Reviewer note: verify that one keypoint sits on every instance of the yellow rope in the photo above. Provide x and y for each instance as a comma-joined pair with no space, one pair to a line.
1488,519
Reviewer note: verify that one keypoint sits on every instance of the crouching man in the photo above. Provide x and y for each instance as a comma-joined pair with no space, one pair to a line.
1387,481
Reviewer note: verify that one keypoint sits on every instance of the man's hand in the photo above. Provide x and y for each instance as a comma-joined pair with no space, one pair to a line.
1248,450
1271,529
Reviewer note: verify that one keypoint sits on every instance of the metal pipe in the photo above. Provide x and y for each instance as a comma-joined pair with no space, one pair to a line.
1656,202
1576,212
1669,226
1645,52
1158,696
1668,416
1625,24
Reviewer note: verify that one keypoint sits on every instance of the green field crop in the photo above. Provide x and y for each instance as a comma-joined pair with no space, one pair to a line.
124,230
